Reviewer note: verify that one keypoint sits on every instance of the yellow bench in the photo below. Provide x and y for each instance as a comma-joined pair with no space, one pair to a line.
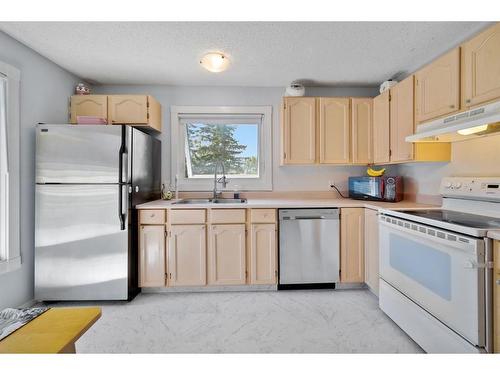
55,331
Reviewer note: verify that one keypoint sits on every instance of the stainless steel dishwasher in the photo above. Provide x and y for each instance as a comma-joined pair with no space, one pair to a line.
309,246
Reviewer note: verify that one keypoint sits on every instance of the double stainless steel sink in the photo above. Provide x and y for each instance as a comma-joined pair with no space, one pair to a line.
217,200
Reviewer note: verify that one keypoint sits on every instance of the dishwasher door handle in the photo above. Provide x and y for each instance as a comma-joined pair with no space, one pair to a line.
309,218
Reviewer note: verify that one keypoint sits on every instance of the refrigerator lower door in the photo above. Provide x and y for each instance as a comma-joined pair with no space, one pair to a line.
79,154
81,252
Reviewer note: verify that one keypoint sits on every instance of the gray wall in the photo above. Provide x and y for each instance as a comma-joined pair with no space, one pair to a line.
285,178
45,88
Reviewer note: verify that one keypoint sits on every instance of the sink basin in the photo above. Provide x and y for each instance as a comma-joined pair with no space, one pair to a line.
228,200
204,201
192,201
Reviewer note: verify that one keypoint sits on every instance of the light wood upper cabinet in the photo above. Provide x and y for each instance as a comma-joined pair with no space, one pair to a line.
496,297
371,250
334,130
298,130
362,130
187,255
381,128
88,105
263,264
481,68
438,87
402,120
227,254
134,110
151,255
352,245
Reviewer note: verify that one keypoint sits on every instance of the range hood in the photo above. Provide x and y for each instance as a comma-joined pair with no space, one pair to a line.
474,123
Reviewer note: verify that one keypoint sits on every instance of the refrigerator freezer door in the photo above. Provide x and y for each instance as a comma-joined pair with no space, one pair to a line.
81,253
78,154
146,168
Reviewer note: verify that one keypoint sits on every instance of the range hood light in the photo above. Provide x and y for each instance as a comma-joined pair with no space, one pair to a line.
473,130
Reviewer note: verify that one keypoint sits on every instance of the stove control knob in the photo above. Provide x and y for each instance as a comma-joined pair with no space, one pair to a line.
457,185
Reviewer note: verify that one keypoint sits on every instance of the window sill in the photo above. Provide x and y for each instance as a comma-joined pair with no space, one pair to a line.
10,265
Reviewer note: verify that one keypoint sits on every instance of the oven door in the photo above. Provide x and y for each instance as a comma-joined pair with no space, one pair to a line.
441,271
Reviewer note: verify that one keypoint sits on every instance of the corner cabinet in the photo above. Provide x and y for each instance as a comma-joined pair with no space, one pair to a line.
226,254
381,128
362,130
481,68
438,87
187,255
352,245
298,130
371,250
152,255
402,120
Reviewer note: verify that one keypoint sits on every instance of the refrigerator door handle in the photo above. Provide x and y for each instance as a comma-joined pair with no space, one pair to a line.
122,184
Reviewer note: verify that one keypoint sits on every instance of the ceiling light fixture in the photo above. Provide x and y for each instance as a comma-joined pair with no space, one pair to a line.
214,62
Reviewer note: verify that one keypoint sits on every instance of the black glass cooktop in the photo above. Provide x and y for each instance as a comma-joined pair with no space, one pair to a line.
458,218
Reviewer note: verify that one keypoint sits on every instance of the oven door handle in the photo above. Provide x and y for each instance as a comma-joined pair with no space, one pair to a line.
474,265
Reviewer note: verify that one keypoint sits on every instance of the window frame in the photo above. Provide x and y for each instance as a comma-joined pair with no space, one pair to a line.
10,242
178,144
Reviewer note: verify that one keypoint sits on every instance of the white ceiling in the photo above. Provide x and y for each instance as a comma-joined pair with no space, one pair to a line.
262,53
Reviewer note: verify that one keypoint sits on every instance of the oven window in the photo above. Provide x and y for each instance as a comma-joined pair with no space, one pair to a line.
426,265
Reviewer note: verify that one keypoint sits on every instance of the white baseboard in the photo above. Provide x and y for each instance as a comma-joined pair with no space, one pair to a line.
204,289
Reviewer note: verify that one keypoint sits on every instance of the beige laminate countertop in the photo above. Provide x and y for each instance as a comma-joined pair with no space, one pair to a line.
495,234
288,203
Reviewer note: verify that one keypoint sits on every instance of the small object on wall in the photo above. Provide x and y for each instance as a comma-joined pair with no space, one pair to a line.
387,85
295,89
166,194
375,173
82,89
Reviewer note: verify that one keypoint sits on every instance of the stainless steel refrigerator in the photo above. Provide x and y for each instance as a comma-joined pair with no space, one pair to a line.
89,178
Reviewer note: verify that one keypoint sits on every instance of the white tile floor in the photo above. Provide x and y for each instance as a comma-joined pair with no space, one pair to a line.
342,321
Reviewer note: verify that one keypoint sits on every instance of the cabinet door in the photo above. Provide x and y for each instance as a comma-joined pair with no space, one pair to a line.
362,130
496,297
187,255
438,87
352,245
481,68
263,254
151,255
334,130
402,120
128,109
381,128
226,255
371,249
88,105
299,130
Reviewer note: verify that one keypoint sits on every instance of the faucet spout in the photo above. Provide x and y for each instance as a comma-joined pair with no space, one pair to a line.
222,180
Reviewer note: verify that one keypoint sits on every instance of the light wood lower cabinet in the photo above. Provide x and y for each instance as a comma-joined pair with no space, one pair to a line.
496,297
226,254
371,250
151,255
263,264
352,245
187,255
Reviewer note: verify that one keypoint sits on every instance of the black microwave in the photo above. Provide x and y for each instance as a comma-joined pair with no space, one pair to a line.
383,188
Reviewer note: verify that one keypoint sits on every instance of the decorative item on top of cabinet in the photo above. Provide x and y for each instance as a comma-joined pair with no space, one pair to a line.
298,130
152,255
352,245
88,105
371,250
381,128
362,130
227,254
187,255
496,297
334,130
134,110
481,68
438,87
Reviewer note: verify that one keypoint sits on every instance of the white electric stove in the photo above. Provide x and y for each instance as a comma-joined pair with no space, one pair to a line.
436,267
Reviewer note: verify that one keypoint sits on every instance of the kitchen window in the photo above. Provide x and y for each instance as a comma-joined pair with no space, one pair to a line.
9,168
239,137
